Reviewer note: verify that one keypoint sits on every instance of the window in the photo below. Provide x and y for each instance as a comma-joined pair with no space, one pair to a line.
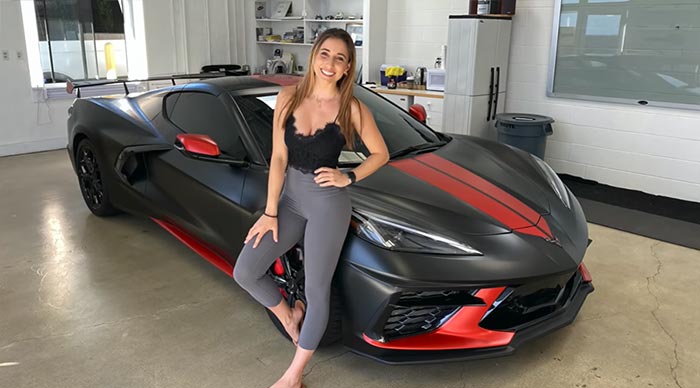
632,51
81,39
258,112
397,127
205,114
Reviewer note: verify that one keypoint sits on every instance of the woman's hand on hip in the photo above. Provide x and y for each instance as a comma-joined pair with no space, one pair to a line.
263,225
328,177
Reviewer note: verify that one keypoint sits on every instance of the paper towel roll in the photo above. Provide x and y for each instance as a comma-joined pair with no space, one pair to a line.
443,55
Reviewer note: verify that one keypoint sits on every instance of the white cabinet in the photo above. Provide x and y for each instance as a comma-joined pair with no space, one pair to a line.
433,107
401,101
476,123
477,72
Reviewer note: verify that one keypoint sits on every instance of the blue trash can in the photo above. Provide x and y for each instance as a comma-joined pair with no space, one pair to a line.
525,131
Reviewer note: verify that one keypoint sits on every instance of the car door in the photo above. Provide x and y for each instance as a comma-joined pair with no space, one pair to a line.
202,197
257,111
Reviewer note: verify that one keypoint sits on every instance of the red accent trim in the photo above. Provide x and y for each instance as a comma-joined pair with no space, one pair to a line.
462,331
278,268
488,188
584,273
283,80
480,184
464,192
418,112
478,192
199,144
467,193
544,226
199,247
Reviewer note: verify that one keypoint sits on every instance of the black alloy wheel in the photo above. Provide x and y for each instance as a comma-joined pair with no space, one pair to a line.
288,274
92,183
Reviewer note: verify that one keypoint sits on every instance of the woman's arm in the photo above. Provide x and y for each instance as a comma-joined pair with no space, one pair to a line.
364,123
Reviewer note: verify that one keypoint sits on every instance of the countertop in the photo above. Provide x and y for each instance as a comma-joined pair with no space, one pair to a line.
407,92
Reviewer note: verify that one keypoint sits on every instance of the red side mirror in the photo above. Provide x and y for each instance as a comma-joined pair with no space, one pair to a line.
198,145
417,111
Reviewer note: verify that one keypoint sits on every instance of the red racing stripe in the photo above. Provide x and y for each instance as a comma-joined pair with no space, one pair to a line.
479,183
464,192
457,181
469,178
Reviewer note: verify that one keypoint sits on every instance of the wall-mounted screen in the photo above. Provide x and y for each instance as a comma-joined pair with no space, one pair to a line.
638,51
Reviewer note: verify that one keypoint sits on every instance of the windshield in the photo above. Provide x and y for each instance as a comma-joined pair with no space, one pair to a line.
399,129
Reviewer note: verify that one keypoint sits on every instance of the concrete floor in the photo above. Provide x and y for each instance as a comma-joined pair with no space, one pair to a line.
90,302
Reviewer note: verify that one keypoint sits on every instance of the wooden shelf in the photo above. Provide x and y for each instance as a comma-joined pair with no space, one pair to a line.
358,21
286,44
295,19
342,21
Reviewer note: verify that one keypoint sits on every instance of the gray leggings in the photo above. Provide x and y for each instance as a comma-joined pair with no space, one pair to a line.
322,216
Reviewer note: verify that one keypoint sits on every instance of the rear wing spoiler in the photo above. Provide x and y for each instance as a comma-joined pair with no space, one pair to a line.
71,86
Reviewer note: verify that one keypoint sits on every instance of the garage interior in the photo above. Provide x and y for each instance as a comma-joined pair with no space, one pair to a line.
116,302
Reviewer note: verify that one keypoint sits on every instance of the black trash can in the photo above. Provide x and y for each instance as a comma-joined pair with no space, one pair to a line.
525,131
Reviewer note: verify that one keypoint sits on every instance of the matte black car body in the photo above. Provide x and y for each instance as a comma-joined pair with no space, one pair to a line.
398,307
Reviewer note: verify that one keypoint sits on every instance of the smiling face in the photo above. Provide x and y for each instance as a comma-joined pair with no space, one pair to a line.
332,61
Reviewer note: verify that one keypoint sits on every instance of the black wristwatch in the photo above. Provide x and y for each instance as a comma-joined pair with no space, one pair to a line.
352,177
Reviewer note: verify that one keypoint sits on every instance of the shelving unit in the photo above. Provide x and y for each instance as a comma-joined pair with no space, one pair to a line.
303,15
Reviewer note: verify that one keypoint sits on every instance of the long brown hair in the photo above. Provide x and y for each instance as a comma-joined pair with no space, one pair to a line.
345,84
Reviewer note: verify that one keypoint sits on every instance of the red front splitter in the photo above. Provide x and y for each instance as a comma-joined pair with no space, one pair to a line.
462,331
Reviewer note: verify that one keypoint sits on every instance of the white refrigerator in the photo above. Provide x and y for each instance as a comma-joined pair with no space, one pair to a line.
478,47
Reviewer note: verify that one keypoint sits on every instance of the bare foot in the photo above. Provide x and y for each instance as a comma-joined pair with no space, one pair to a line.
284,382
293,327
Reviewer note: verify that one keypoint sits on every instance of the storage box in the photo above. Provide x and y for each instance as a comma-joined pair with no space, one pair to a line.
260,10
384,78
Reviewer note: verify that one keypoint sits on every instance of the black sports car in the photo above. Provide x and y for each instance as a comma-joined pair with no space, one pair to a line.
458,248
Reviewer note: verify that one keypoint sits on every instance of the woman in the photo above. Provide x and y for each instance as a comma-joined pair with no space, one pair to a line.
312,122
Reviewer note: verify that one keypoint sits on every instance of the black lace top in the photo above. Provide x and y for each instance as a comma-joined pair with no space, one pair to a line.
308,153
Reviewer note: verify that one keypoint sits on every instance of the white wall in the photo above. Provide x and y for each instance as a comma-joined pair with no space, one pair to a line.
29,123
184,35
416,30
649,149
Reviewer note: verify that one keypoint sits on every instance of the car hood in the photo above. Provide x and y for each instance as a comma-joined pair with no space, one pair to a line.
468,187
489,195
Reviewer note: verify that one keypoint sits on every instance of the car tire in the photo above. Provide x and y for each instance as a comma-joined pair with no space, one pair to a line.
93,186
334,328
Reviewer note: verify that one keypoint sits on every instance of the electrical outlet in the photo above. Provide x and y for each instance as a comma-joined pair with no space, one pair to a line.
5,55
20,55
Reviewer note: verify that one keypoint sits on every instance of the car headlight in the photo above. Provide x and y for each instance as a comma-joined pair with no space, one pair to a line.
395,236
554,181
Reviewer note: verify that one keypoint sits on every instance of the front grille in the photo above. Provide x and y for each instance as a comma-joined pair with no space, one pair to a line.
526,304
418,312
414,320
